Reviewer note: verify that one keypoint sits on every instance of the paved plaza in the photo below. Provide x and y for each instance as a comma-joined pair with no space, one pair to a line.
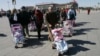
85,41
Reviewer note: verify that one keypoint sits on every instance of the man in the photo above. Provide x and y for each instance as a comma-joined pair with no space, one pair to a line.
52,19
25,20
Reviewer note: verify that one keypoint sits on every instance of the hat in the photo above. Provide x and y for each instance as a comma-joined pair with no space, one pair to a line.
23,7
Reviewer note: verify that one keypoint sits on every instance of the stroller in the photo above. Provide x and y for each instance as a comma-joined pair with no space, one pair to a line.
68,28
17,34
59,42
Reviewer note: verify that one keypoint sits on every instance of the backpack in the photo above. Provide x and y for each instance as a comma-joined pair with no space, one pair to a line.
72,14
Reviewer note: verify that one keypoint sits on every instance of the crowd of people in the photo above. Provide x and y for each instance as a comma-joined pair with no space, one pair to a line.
59,18
64,17
24,17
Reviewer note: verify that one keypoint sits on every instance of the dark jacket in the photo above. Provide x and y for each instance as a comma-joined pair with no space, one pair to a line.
11,19
64,15
52,18
71,14
24,17
38,17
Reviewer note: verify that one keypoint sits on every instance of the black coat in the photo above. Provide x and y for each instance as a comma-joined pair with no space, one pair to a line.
24,17
11,19
52,18
63,15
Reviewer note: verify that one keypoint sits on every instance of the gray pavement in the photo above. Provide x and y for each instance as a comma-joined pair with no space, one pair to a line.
85,42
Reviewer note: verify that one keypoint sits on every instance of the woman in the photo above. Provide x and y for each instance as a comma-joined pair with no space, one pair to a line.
38,15
63,15
69,24
13,17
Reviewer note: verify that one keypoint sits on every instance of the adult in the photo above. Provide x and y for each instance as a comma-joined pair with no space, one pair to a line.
52,17
71,16
25,20
88,11
38,18
63,15
13,17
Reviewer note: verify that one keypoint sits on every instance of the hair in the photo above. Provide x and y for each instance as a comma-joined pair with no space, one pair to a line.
23,8
13,11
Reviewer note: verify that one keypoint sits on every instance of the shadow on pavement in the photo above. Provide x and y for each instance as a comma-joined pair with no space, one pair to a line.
34,42
78,24
83,31
2,35
77,46
43,29
43,37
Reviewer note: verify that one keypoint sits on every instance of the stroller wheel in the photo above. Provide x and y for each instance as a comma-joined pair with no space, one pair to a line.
59,54
16,47
53,47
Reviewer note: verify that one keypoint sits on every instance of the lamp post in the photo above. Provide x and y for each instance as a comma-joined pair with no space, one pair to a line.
14,3
8,5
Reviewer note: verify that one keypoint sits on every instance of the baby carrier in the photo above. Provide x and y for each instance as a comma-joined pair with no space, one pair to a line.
32,26
59,42
68,27
17,34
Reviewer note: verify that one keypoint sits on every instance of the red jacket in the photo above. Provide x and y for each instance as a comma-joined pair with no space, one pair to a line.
39,16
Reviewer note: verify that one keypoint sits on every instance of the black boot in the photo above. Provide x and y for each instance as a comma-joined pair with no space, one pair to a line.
39,37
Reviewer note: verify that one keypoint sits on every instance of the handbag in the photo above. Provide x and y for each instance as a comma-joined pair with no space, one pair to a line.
32,26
